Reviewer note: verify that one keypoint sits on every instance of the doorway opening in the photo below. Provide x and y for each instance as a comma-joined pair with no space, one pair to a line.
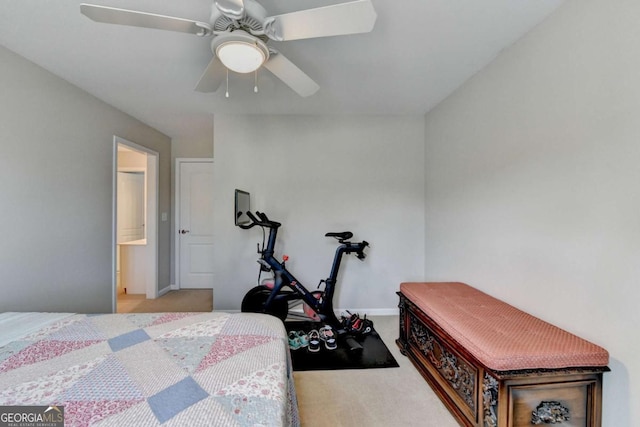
135,220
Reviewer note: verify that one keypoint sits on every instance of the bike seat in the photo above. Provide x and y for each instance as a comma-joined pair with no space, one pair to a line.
341,236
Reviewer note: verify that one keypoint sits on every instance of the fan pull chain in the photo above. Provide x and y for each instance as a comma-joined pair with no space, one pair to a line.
227,92
255,82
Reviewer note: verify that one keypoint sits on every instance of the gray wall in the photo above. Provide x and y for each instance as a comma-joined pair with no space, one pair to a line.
315,174
56,160
532,172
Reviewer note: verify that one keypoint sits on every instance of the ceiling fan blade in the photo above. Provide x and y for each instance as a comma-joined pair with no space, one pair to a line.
134,18
345,18
233,9
291,75
212,76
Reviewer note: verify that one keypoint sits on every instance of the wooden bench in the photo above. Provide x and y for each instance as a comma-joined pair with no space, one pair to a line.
496,366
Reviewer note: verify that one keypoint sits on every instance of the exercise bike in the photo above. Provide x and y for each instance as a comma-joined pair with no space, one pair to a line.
287,291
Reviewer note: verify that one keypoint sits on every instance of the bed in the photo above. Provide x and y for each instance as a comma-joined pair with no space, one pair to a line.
170,369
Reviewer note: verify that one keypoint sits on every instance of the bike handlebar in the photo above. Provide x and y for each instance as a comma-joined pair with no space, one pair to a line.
360,254
252,217
264,221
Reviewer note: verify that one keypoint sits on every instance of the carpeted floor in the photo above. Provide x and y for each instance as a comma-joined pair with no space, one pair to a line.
199,300
371,397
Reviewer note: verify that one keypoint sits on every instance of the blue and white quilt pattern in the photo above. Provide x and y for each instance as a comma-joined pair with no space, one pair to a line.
170,369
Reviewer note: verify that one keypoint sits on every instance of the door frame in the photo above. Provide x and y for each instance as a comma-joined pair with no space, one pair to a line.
176,216
151,220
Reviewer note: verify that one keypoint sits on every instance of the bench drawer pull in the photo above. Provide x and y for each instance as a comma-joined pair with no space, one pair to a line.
550,412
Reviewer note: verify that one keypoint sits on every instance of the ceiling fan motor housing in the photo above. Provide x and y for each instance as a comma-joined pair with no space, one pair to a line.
252,21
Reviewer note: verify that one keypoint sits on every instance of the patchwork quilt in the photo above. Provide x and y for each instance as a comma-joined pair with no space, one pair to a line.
151,369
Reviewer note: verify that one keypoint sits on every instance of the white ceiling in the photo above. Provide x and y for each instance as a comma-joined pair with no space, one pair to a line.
419,52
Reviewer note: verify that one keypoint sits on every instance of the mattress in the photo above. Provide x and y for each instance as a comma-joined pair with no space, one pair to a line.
151,369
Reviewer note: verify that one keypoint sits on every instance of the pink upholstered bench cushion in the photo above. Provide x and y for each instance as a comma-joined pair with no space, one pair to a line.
500,336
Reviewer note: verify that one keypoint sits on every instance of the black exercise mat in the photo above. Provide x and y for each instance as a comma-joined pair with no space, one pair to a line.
374,354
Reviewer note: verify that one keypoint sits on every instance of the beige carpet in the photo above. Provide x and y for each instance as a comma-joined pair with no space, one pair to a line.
199,300
371,397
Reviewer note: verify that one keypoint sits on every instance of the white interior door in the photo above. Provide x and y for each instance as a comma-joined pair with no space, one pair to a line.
131,203
195,225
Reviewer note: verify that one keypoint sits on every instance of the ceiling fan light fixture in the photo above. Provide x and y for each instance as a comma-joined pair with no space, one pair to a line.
240,51
241,57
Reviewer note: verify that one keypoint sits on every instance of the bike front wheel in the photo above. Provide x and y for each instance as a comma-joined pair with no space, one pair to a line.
254,302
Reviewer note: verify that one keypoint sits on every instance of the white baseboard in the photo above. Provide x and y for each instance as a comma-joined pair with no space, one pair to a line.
371,311
360,311
174,287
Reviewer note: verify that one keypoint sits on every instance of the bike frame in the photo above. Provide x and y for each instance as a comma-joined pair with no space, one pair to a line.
283,277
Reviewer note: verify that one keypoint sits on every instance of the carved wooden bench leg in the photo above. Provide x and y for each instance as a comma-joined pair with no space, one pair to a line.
402,339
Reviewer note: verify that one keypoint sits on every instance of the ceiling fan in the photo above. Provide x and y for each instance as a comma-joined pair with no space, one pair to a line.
241,29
